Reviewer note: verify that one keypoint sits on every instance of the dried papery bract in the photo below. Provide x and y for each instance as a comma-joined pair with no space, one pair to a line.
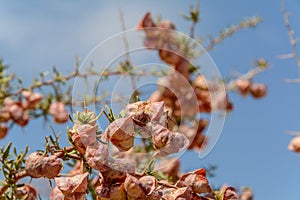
258,90
59,112
295,144
169,167
73,187
196,180
112,192
18,114
38,165
83,135
134,188
167,142
31,99
230,194
243,86
27,192
96,156
120,133
3,131
148,184
179,194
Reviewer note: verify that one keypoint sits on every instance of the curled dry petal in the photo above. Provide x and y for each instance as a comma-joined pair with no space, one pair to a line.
3,131
170,167
37,165
197,180
112,192
134,188
295,144
71,185
56,194
27,191
258,90
120,133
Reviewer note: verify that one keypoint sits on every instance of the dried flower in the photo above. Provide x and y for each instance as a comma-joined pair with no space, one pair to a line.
146,22
83,135
59,112
230,194
243,86
295,144
31,99
178,194
3,131
18,114
134,188
120,133
197,180
167,142
167,24
258,90
75,185
112,192
96,156
37,165
26,191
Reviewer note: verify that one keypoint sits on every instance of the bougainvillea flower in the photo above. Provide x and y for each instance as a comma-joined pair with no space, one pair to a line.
134,188
72,185
243,86
18,114
83,135
180,193
59,112
112,192
196,180
96,156
27,192
295,144
146,22
31,99
167,142
38,165
121,133
230,194
143,112
258,90
3,131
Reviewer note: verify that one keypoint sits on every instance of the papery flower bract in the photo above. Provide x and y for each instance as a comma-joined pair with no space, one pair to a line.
37,165
167,24
170,167
27,192
258,90
197,180
18,114
148,183
83,135
230,194
96,156
146,22
167,142
73,186
112,192
243,86
121,133
295,144
179,194
246,194
134,188
31,99
59,112
3,131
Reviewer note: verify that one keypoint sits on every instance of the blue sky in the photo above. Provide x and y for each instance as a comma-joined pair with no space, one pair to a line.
252,150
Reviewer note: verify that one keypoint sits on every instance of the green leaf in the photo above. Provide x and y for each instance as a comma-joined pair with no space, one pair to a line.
6,151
